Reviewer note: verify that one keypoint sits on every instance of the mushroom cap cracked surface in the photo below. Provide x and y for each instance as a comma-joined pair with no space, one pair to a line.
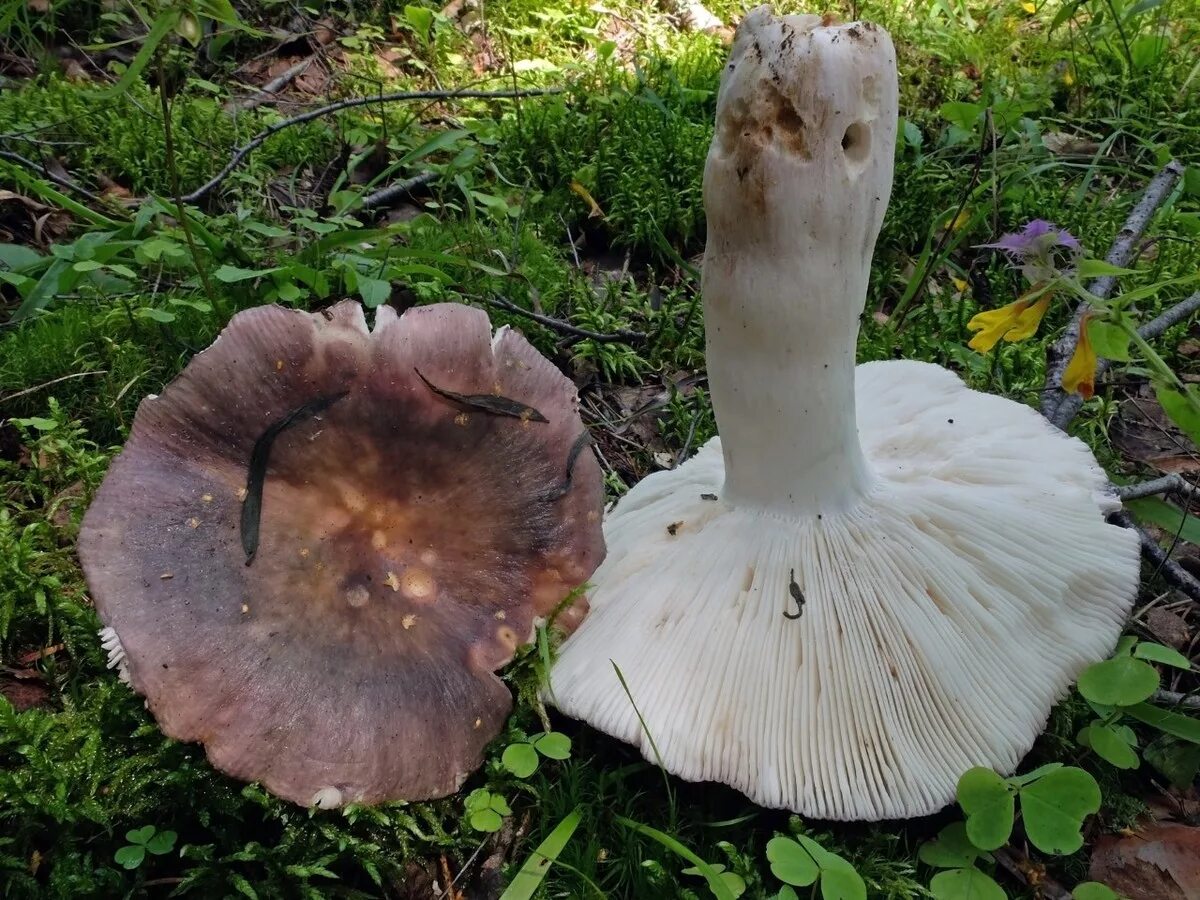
943,616
407,544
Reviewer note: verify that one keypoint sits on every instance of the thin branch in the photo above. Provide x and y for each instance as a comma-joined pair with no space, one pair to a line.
1175,698
1029,873
1172,316
1173,573
399,190
173,173
46,384
948,230
1167,484
259,139
1058,406
615,337
274,86
50,176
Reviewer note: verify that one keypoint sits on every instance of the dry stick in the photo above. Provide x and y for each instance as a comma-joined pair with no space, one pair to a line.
1167,484
274,86
259,139
901,314
1057,406
46,384
1187,701
1022,868
397,191
1171,571
615,337
173,173
50,176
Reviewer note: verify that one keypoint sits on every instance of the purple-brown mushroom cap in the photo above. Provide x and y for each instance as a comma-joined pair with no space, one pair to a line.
408,544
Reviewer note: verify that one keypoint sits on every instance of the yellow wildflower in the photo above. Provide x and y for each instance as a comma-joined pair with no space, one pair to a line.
1015,322
1028,7
1080,374
1029,320
594,208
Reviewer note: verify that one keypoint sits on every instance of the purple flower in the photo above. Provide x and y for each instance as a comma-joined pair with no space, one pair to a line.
1036,248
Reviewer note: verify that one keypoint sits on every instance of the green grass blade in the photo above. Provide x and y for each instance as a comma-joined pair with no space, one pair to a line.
529,878
719,888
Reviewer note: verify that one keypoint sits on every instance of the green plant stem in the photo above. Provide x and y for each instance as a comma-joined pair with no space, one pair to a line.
176,194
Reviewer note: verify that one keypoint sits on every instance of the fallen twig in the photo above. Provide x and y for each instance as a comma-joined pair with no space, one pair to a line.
1058,406
272,87
1173,573
1167,484
46,384
615,337
1175,698
259,139
988,133
1031,874
1172,316
45,172
398,191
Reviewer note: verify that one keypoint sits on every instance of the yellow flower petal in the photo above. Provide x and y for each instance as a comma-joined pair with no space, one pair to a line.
594,208
993,324
1080,374
959,284
1029,320
1028,7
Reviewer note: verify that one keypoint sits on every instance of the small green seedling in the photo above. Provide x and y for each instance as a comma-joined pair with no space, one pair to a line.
522,758
147,839
1119,686
485,810
1094,890
801,861
960,879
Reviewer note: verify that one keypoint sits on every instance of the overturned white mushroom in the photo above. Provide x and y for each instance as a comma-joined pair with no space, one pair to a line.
839,611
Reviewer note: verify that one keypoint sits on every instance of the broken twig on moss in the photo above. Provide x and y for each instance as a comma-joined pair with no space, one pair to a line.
615,337
398,191
1173,573
1167,484
259,139
1057,406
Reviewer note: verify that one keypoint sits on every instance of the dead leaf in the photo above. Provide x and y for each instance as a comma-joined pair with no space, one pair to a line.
24,694
1159,862
1062,144
1168,627
1143,433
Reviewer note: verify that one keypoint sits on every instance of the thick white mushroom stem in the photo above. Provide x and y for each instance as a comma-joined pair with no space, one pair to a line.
796,185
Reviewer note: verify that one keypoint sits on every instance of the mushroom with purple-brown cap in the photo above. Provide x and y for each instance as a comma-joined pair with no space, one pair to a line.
321,541
875,578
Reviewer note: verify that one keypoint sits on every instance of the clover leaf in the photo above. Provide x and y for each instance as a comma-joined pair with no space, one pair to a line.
1121,681
987,799
146,839
966,884
951,849
1054,807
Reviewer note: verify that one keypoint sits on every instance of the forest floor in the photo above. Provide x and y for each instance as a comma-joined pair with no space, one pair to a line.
578,202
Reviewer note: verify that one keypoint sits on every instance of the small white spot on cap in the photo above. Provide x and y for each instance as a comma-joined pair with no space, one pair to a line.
417,583
327,798
408,621
358,596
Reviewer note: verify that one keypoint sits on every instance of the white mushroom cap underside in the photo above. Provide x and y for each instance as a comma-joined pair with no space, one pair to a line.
945,614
